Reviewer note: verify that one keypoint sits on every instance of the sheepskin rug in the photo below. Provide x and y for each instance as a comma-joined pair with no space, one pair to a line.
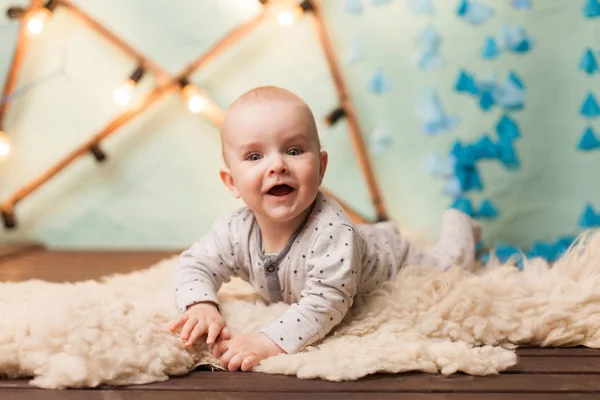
114,331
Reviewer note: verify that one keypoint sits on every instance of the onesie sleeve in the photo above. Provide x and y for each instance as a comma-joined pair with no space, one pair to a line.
205,266
333,270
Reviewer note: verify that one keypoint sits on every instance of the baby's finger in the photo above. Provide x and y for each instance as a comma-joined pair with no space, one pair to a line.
198,331
187,328
225,358
220,348
213,331
235,362
176,323
249,362
225,333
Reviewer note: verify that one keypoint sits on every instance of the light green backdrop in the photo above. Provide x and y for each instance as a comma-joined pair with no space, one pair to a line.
160,186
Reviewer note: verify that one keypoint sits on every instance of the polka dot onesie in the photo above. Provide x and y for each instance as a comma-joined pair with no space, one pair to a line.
328,261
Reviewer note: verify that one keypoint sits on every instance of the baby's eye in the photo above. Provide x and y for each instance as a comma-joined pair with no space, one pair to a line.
294,151
253,157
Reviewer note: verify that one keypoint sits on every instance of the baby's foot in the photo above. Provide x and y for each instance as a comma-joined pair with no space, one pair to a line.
458,238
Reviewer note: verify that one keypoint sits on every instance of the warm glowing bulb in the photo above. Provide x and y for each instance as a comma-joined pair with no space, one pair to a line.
4,144
285,18
35,24
196,104
124,94
195,101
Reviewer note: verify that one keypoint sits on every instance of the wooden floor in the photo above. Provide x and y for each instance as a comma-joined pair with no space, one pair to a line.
541,373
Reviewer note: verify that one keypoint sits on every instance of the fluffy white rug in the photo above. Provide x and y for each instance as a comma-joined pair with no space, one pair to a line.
115,331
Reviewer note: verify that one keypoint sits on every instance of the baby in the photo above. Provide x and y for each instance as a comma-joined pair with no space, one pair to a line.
290,241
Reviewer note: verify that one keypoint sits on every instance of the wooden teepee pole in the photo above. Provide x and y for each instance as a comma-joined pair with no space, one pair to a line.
15,66
346,103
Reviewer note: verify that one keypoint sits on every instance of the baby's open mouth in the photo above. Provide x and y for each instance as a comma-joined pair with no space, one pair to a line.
280,190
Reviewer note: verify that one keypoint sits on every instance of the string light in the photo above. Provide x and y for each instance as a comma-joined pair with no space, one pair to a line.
288,16
36,20
199,102
195,101
15,12
97,152
4,144
335,115
123,94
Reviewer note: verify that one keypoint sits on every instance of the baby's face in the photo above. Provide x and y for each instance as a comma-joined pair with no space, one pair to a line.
274,158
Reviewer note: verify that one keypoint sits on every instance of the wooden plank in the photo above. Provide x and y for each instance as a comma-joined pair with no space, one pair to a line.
532,365
72,266
557,365
405,383
557,352
20,394
384,383
9,250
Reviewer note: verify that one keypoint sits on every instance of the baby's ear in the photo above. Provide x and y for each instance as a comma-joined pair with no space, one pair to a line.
228,181
323,165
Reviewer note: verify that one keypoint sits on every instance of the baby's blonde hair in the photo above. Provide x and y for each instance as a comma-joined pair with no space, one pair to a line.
267,94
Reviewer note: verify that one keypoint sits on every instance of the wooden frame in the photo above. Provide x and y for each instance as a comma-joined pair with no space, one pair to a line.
167,83
15,66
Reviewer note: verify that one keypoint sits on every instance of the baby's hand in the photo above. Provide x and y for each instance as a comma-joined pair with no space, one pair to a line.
245,351
199,319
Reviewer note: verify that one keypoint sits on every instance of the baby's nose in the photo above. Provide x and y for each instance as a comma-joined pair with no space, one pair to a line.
277,167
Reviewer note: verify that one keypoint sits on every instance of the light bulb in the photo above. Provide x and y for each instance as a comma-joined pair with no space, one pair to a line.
36,20
124,94
287,16
196,103
4,144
